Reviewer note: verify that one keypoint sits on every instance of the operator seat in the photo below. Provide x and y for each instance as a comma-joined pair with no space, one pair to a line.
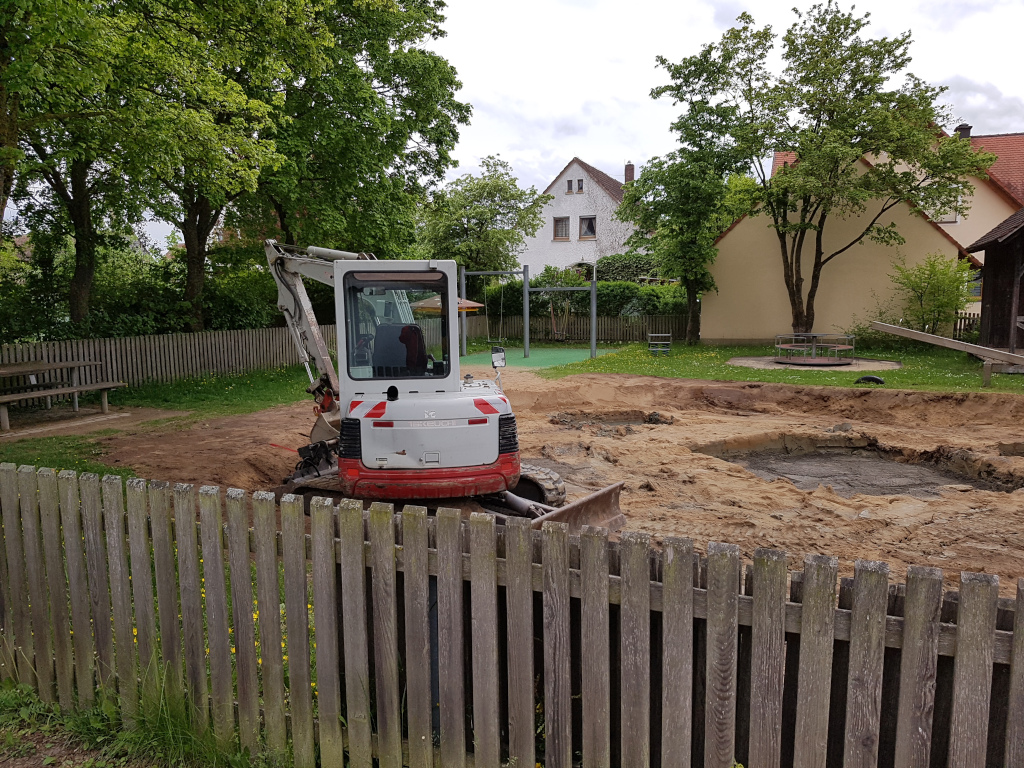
399,350
389,352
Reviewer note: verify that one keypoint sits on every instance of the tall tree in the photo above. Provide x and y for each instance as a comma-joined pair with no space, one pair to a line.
49,59
360,126
679,205
859,132
482,221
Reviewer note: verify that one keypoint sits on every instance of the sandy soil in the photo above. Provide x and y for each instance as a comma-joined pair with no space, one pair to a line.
676,444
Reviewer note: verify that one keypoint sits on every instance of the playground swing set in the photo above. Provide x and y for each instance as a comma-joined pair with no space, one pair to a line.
525,272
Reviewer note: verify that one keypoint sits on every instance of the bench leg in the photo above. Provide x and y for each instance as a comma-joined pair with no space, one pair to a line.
104,405
5,422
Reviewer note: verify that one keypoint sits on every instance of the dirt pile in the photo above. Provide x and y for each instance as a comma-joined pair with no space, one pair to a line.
675,443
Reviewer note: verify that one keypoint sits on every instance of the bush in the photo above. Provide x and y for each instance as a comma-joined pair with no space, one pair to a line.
932,292
627,266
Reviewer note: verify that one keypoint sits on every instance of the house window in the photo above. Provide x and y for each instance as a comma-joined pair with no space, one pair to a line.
588,227
562,228
568,184
579,185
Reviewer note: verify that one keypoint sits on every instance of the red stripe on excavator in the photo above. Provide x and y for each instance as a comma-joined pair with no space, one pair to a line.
352,406
377,411
483,406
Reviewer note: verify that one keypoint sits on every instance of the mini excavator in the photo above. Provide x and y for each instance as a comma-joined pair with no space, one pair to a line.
395,421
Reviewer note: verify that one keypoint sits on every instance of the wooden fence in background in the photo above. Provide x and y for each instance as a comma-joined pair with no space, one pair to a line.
136,360
433,641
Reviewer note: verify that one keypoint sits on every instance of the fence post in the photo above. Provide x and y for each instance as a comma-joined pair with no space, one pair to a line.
595,637
768,657
300,697
722,655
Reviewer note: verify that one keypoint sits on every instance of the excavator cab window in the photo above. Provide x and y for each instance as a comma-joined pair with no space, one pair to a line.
394,325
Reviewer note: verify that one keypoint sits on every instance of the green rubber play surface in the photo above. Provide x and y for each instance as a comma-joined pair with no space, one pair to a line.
540,357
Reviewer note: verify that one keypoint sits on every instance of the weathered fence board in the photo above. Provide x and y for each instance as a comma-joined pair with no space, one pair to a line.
243,621
98,578
557,682
676,659
385,635
268,607
300,697
191,608
222,700
125,658
635,648
357,664
64,663
417,636
595,636
34,572
519,602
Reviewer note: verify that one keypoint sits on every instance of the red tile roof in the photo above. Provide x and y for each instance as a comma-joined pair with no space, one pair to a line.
606,182
1008,169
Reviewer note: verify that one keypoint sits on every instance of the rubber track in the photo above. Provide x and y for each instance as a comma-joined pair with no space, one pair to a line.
546,480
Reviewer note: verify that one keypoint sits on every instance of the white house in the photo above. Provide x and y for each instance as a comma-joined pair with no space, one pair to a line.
579,225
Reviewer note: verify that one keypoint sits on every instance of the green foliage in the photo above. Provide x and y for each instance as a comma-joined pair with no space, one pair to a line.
932,292
614,297
365,118
481,222
627,266
838,97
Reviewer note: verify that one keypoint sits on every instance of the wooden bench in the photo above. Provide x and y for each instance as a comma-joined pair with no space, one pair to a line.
103,387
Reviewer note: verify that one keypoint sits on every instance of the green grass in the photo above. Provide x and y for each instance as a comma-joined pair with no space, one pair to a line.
61,452
224,395
924,367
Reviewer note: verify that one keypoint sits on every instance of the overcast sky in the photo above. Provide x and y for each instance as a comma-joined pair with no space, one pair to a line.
554,79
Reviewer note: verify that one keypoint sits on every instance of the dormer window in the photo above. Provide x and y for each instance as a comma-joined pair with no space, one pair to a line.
568,189
579,186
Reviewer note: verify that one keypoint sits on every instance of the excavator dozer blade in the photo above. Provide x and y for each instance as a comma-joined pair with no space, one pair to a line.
600,509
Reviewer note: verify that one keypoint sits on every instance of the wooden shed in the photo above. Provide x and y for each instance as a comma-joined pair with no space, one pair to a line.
1002,305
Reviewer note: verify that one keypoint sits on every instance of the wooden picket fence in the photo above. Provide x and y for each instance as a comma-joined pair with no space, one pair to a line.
426,641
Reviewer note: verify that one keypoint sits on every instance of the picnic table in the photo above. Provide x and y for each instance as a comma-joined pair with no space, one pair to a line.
69,384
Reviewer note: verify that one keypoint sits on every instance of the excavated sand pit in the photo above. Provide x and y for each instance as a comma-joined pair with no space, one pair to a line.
954,463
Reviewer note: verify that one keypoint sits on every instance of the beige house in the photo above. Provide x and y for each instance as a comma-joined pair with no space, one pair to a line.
752,304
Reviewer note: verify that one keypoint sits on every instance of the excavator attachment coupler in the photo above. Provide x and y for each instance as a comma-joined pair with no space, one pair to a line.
600,509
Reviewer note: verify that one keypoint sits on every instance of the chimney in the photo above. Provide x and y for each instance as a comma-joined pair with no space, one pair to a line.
964,130
630,170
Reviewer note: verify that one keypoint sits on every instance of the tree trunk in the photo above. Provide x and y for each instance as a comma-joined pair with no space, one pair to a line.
201,216
692,315
80,212
794,282
8,144
282,222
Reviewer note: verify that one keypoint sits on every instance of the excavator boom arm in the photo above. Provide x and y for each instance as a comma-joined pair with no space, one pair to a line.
288,268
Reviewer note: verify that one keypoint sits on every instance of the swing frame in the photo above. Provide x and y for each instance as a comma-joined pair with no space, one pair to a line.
527,290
